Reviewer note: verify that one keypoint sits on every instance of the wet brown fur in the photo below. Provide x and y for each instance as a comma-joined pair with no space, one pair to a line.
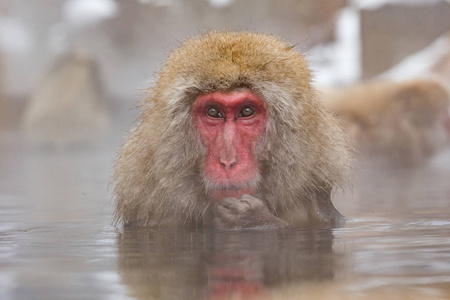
302,155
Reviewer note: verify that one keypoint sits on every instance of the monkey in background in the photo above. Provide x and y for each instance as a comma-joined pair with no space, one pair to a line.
407,122
232,135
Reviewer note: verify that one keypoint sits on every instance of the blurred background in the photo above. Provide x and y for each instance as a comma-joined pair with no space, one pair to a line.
118,45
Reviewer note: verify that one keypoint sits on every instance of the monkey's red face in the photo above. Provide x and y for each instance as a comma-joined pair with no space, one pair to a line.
230,126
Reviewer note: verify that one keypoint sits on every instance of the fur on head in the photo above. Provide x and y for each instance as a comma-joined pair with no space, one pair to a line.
157,177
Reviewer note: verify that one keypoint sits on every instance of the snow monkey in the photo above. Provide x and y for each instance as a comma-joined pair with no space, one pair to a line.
406,122
232,136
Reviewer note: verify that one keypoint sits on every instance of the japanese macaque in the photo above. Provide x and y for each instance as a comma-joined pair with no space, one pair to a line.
407,122
232,136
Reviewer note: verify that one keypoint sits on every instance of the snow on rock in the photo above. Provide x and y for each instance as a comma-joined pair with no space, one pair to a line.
375,4
338,63
88,12
420,63
220,3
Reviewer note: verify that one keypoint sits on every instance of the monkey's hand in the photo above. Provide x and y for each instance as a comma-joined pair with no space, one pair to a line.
245,212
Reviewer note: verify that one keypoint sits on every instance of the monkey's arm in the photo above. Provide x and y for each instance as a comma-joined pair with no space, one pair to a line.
245,212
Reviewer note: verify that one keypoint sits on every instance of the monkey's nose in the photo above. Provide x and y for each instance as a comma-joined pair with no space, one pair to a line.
228,163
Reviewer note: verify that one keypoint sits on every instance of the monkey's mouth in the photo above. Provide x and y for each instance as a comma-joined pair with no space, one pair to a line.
220,194
229,188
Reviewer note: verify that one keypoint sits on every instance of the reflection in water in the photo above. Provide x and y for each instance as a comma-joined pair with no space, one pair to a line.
217,265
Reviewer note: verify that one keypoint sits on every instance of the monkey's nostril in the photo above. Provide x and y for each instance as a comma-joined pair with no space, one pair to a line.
228,163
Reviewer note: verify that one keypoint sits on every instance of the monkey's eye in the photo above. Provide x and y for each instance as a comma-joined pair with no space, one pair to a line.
246,112
214,112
